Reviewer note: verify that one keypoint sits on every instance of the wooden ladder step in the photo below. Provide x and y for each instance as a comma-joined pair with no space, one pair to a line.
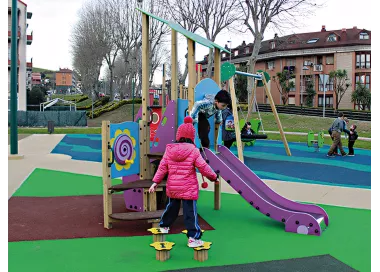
144,183
130,216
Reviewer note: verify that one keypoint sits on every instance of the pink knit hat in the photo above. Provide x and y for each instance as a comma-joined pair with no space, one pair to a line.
186,130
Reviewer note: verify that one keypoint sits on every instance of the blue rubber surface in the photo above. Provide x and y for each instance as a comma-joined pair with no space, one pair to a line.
267,159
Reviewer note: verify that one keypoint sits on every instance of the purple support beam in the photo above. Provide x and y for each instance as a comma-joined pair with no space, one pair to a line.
139,114
133,198
165,133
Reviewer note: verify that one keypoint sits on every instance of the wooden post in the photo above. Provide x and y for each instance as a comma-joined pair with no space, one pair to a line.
274,110
236,120
217,79
191,69
107,197
163,86
181,91
174,67
143,124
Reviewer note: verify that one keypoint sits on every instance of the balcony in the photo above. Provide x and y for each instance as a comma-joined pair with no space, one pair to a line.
318,68
10,33
29,39
29,65
9,63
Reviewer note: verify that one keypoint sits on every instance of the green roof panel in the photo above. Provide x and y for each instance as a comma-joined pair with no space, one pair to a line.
195,37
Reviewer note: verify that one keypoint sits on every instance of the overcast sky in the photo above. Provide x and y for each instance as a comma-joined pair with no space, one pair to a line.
53,21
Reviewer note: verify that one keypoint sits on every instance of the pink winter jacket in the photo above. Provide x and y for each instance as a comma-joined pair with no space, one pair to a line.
179,161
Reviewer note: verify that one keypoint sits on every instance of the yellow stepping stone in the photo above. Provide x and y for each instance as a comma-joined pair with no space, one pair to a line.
185,231
162,250
201,252
158,236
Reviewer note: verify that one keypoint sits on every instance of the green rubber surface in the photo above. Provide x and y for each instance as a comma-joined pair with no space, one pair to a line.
241,235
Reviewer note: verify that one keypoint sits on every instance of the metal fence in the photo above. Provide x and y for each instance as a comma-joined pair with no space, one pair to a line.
350,114
41,118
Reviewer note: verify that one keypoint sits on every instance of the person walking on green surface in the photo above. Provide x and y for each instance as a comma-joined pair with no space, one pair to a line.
337,128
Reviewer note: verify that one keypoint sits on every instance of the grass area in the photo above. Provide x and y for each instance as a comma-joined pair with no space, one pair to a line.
86,102
258,237
67,97
42,70
328,141
122,114
298,123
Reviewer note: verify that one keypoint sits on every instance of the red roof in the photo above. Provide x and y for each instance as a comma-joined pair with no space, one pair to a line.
23,3
64,70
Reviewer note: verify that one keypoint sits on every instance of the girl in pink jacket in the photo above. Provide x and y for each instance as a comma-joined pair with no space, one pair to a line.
179,162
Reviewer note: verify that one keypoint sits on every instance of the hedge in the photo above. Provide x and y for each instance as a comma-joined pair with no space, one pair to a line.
112,106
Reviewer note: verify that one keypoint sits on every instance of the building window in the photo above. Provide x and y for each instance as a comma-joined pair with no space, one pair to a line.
313,40
363,60
364,79
329,60
236,53
332,38
224,55
292,100
270,65
363,36
328,101
290,62
247,50
272,45
294,84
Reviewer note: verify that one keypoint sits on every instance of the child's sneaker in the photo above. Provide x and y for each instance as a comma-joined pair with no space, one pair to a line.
194,242
351,155
331,156
164,229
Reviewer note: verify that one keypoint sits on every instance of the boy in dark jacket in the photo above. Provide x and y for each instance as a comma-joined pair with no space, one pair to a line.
352,137
247,130
228,135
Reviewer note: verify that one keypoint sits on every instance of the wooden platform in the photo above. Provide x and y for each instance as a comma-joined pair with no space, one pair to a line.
140,215
155,155
145,183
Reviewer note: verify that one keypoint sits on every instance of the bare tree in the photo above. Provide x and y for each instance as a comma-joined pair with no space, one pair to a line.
183,12
341,83
279,14
89,45
213,17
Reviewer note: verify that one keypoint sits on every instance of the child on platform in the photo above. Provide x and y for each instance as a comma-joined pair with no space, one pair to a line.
180,161
204,109
352,137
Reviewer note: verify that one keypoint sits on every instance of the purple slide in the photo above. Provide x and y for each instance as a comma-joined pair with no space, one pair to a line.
298,217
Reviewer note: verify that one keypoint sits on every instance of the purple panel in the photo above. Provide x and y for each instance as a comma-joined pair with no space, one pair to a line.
133,198
257,182
165,133
303,223
139,114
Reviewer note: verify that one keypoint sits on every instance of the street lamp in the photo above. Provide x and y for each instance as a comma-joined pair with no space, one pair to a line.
230,42
304,68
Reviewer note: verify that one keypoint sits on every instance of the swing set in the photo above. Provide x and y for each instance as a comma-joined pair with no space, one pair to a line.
228,71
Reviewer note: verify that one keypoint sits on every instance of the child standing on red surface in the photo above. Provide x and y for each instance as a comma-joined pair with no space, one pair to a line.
180,162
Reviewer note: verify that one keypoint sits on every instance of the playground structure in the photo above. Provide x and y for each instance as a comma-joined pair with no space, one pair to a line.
127,152
316,143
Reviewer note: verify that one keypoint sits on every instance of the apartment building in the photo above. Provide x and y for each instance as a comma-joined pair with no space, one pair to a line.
65,80
24,38
311,57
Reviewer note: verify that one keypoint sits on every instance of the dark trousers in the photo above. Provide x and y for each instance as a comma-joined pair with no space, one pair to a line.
190,216
229,143
351,147
203,130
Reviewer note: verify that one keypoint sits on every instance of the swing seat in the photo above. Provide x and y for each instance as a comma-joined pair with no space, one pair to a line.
249,138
